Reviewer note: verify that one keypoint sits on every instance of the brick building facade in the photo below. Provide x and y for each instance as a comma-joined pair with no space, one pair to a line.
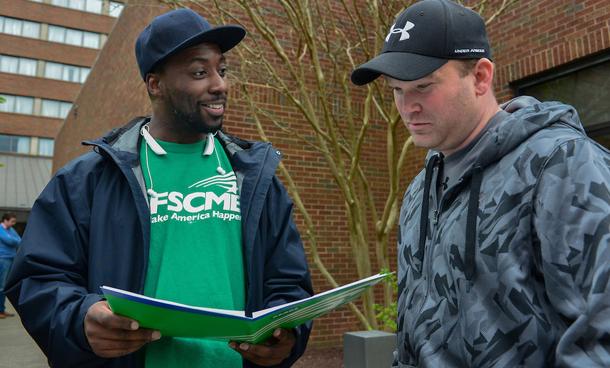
533,41
47,48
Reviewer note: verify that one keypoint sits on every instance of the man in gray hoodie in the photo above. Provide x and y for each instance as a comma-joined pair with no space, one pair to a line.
504,237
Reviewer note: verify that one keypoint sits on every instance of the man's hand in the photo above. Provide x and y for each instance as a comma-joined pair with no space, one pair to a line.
112,336
271,352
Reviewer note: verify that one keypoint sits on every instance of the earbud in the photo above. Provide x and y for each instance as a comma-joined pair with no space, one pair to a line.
152,193
209,145
151,142
220,170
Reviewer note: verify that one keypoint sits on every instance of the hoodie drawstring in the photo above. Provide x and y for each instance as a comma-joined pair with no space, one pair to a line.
471,223
471,217
423,222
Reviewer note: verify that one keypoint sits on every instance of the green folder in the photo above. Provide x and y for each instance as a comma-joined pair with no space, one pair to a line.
180,320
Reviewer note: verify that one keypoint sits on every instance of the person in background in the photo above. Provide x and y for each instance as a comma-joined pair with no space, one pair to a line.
169,206
9,241
504,237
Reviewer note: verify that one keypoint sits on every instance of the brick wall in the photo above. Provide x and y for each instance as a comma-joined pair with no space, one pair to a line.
538,35
27,125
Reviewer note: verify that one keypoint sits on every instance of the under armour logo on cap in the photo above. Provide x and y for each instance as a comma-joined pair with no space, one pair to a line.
404,32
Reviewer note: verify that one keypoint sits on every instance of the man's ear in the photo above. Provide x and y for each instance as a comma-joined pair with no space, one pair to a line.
153,84
484,75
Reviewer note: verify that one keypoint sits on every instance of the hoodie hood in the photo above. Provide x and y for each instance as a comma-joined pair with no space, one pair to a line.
526,116
521,118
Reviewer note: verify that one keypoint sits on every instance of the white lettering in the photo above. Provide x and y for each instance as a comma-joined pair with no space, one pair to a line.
223,199
176,199
194,203
226,216
235,203
156,201
158,218
188,206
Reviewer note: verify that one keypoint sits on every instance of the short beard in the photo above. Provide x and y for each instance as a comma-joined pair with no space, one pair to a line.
191,121
194,122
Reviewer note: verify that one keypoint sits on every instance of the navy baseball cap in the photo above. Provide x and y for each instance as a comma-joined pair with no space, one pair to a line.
424,37
177,30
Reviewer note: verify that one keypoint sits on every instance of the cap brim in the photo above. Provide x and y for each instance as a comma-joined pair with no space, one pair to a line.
398,65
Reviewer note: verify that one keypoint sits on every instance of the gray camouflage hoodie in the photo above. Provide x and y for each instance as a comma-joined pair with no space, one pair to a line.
514,268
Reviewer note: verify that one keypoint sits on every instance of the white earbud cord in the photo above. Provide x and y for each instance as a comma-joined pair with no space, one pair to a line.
150,191
211,147
219,169
150,142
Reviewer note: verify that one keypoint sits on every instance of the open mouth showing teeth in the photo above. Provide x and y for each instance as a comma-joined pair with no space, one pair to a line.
214,106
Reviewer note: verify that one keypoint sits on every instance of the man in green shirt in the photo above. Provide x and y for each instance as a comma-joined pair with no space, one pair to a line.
198,227
169,206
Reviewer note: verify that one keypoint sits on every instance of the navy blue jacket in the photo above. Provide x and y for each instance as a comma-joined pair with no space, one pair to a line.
91,227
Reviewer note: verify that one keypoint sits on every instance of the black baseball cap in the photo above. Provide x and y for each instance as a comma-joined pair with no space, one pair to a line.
177,30
424,37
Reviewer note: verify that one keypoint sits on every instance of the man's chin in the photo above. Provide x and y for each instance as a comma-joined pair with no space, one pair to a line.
204,127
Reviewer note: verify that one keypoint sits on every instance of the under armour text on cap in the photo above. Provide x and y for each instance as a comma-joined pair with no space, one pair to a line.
424,37
177,30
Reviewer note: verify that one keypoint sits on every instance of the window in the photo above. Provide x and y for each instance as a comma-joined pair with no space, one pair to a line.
24,105
64,109
15,144
55,109
18,27
57,34
50,108
71,73
13,26
74,37
84,73
45,146
91,40
9,103
9,64
94,6
27,67
65,72
77,4
31,29
584,85
53,70
115,9
17,104
91,6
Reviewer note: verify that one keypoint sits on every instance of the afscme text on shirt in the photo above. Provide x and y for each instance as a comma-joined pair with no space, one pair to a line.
195,202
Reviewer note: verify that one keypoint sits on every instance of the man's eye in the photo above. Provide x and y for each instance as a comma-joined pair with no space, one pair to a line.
397,90
223,72
199,73
423,87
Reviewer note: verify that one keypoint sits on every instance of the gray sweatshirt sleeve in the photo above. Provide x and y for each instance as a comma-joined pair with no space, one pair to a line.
572,224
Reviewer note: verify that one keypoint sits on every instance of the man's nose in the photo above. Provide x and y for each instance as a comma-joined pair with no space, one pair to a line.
218,84
408,108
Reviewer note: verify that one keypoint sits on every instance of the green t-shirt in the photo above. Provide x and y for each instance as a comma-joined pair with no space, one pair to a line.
195,246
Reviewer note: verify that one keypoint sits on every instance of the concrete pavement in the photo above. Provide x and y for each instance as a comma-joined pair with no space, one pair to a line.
17,349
